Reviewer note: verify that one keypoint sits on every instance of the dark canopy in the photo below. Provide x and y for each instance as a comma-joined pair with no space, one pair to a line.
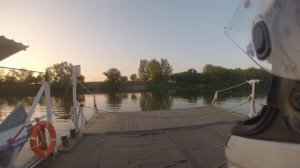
9,47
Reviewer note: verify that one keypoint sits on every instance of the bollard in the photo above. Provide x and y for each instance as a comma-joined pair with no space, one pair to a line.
73,133
64,140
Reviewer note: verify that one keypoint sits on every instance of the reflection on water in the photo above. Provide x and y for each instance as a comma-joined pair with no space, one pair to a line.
157,100
133,101
115,99
133,97
165,99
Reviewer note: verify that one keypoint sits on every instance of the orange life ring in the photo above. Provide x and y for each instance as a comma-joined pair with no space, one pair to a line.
36,133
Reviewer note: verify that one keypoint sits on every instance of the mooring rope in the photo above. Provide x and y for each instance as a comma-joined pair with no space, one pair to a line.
232,87
20,69
85,87
90,92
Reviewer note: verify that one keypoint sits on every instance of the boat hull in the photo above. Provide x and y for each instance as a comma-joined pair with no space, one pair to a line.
244,152
9,148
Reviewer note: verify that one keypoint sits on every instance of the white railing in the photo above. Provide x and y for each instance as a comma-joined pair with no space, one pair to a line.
77,109
251,97
11,137
8,137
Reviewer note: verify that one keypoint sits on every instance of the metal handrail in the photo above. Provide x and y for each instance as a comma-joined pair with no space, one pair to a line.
252,82
14,133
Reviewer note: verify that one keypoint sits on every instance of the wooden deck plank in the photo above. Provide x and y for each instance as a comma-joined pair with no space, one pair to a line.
151,120
184,138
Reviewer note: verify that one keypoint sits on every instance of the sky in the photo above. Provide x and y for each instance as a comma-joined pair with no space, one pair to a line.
103,34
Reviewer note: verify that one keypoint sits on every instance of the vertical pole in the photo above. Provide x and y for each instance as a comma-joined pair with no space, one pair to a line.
80,119
48,98
214,102
95,105
252,112
75,103
48,102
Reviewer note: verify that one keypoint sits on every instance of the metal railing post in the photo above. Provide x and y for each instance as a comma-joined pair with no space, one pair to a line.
48,98
252,112
81,120
95,105
75,103
252,82
214,101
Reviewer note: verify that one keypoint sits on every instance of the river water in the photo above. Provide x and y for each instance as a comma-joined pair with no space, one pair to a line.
138,101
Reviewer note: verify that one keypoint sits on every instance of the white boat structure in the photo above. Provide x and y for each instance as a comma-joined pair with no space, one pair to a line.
14,125
20,127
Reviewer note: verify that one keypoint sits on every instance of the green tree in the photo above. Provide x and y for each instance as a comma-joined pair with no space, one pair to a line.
192,71
60,76
166,69
155,70
60,73
113,76
12,76
2,75
133,77
143,70
222,77
26,77
124,78
39,78
189,76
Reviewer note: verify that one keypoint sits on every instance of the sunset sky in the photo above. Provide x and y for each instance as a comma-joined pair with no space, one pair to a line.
101,34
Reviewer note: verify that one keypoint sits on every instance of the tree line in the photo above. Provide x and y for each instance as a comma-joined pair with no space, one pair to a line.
220,77
19,81
149,70
23,81
212,76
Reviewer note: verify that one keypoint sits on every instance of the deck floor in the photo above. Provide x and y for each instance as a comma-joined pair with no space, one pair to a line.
159,119
168,139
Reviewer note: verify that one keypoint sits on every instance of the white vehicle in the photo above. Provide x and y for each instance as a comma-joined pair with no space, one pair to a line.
268,31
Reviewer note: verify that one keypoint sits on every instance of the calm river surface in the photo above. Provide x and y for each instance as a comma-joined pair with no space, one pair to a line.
138,101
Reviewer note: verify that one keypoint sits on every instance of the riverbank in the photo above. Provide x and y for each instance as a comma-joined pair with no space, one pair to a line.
123,86
136,86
